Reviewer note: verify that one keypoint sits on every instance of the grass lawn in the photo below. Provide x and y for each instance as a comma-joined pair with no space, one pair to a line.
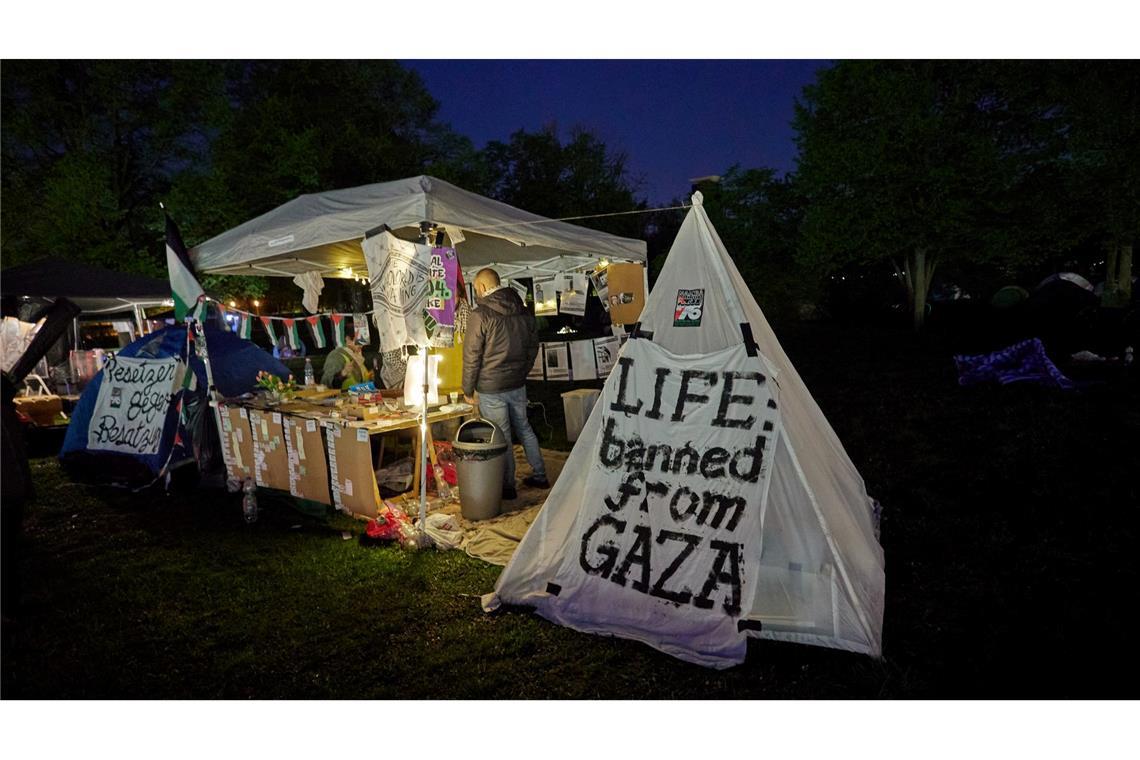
1010,527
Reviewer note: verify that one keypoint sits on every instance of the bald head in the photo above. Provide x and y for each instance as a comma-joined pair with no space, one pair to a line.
485,281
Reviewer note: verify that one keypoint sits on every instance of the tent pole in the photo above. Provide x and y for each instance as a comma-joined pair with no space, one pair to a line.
424,541
424,452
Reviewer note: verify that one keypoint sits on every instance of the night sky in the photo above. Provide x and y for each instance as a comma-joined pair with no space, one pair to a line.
674,119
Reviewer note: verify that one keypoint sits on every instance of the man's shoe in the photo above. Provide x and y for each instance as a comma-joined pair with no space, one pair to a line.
536,482
509,493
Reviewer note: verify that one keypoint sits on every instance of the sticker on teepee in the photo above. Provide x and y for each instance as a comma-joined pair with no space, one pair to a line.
690,307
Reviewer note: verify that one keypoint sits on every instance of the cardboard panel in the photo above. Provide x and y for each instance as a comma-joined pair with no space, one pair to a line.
270,458
308,470
237,442
351,477
626,283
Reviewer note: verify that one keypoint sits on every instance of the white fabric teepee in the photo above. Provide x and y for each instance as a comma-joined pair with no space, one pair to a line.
707,498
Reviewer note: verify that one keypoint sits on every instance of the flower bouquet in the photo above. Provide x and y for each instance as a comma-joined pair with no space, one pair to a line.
275,388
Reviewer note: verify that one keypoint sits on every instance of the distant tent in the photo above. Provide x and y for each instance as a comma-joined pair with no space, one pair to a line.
707,498
235,364
94,289
1009,297
1069,277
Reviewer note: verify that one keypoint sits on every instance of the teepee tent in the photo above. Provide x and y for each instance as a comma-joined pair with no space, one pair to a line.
707,499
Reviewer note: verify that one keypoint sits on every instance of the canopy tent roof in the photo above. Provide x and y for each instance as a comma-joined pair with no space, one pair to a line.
92,289
322,232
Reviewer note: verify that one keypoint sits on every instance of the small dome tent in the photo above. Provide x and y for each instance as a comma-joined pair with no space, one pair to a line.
98,447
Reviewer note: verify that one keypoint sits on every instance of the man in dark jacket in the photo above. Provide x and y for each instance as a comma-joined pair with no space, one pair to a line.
498,352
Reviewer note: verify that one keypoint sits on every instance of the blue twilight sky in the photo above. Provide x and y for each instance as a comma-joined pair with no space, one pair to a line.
675,119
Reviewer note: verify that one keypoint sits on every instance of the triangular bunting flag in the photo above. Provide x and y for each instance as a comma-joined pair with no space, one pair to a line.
268,323
291,334
338,328
318,333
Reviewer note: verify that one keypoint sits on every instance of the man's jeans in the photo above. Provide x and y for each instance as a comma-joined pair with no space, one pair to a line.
508,411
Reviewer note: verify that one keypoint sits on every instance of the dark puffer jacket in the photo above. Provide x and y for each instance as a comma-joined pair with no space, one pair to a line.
500,345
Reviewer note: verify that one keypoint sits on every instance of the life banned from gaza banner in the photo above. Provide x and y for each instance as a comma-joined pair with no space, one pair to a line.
664,548
130,411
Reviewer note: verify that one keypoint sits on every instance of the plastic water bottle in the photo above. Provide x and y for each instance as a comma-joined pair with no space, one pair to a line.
249,501
309,379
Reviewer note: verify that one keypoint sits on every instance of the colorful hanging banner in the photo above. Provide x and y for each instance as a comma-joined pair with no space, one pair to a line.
360,327
338,328
244,326
317,332
442,283
267,322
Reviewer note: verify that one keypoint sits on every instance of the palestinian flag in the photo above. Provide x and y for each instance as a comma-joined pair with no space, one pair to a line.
244,325
183,284
318,333
188,385
268,323
338,328
291,334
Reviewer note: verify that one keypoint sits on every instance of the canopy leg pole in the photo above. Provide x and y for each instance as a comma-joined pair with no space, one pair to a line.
423,539
139,319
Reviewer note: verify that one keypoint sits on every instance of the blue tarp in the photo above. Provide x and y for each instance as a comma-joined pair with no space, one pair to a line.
235,363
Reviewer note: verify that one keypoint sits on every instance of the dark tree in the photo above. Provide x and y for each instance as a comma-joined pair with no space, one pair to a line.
900,161
538,172
90,147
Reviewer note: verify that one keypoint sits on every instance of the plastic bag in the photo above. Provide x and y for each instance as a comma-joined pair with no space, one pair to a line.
397,477
444,530
446,458
392,524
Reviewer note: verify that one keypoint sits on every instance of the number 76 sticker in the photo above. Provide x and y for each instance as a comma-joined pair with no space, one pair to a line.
690,308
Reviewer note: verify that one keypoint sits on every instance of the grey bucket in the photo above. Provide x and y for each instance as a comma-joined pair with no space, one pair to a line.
480,461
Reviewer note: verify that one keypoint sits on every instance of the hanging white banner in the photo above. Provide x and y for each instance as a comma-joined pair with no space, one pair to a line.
673,495
130,411
399,275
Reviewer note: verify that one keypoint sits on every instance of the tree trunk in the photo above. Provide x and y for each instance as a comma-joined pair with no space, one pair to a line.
920,272
1108,296
1124,269
1117,276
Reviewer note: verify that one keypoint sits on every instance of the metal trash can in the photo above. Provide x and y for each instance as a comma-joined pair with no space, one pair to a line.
480,459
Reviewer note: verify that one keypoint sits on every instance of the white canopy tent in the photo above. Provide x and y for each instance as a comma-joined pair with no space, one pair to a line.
322,232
